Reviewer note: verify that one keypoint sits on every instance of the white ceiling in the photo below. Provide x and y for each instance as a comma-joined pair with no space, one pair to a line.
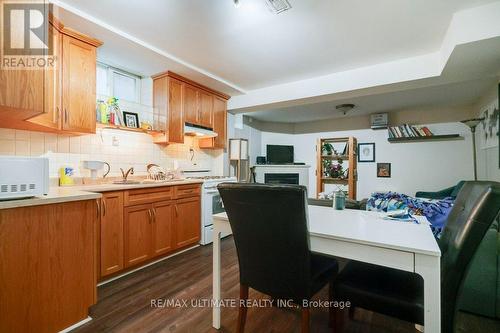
249,47
449,95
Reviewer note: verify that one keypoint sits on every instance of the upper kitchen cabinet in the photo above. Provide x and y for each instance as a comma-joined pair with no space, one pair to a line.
168,111
79,85
58,98
219,125
178,100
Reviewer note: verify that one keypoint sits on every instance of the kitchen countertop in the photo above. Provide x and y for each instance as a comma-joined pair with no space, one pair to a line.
84,192
120,187
56,195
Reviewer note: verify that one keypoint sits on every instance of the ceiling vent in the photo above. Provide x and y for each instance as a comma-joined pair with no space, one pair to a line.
278,6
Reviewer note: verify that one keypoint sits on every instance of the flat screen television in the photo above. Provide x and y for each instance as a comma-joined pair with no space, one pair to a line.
277,154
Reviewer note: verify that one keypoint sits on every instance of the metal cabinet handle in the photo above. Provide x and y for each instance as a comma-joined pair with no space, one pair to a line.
176,210
103,207
66,115
154,215
98,202
150,215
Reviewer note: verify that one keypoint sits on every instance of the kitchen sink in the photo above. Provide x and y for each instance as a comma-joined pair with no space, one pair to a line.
126,182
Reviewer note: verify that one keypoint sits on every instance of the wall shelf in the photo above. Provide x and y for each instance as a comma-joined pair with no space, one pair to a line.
334,180
444,137
124,128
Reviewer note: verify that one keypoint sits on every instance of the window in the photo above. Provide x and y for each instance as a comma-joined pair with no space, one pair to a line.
117,83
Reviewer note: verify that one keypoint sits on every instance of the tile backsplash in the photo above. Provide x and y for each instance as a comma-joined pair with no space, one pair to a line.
121,149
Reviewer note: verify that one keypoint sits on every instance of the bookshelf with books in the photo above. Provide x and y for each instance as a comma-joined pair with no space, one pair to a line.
337,165
413,133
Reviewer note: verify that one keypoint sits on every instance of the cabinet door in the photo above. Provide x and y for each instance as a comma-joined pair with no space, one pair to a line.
51,117
219,125
175,111
162,227
187,225
191,105
220,122
206,109
137,234
79,86
111,247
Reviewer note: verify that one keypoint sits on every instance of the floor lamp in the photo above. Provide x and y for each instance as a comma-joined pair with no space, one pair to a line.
472,123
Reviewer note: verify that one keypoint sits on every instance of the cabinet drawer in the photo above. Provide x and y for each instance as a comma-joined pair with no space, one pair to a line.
142,196
186,191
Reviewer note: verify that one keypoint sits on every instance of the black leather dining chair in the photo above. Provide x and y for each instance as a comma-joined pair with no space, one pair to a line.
270,230
400,294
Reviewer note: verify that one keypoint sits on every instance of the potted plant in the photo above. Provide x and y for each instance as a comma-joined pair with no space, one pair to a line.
327,148
336,170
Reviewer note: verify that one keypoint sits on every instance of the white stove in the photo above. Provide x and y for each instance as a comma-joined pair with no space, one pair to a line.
211,203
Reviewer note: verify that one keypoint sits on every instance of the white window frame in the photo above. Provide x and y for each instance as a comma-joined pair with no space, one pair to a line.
110,84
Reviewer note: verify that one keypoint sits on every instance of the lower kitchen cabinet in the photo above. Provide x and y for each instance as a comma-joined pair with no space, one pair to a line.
187,221
137,234
162,227
138,226
47,266
111,227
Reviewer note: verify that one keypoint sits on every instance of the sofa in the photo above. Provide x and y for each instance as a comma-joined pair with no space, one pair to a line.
481,289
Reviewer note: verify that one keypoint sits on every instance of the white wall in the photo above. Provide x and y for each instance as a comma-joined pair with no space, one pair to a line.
487,156
415,166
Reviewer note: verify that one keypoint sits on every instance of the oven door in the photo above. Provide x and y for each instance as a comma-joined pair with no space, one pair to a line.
212,205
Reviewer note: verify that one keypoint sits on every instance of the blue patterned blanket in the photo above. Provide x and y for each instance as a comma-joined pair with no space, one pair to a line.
436,211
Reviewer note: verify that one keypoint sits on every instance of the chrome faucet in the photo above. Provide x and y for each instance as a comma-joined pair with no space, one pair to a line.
125,174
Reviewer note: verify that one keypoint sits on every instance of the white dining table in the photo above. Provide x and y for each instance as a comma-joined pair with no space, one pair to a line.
363,236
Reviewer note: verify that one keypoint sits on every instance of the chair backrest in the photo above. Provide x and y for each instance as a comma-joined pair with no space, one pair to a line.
474,210
270,230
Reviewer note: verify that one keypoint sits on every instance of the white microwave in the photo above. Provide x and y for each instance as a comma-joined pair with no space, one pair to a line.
23,177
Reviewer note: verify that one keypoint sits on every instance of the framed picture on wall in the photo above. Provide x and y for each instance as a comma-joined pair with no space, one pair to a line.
384,170
131,119
366,152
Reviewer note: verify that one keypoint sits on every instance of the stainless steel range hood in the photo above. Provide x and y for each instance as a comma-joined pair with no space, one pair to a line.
198,131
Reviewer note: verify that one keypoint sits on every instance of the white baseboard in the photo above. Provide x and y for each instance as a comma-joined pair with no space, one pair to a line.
147,265
78,324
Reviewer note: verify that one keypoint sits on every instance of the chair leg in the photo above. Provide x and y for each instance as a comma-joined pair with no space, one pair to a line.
305,320
242,310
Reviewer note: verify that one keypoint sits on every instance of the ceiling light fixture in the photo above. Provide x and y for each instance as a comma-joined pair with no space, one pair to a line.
344,108
278,6
237,3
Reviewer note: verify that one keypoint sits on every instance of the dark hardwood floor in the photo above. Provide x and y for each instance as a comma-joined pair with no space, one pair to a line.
125,305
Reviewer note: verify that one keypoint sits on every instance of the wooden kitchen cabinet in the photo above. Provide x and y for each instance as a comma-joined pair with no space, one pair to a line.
162,227
141,225
79,86
191,105
137,234
47,271
168,111
178,100
51,118
21,95
187,221
61,98
111,233
206,109
219,125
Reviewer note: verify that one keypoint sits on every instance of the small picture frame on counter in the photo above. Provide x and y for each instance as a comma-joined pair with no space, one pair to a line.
131,119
